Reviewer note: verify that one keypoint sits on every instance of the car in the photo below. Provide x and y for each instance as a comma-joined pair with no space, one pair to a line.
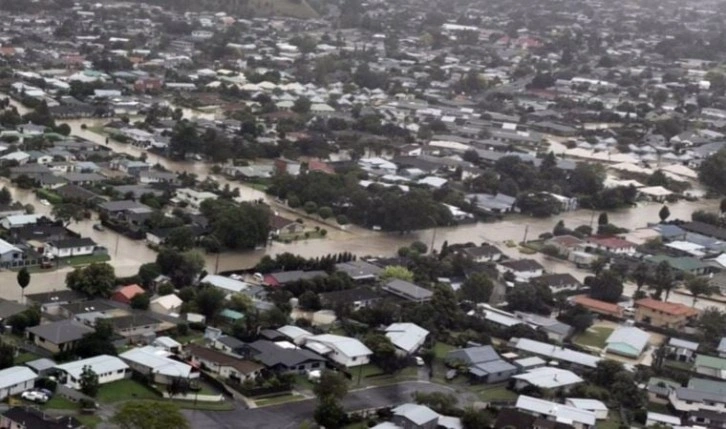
34,396
45,202
46,392
419,360
98,227
451,374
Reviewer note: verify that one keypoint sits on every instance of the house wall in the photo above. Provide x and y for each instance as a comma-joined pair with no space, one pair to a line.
348,361
103,378
230,372
74,251
499,377
16,389
659,319
53,348
686,406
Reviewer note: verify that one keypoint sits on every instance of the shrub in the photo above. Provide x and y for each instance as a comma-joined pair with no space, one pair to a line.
342,219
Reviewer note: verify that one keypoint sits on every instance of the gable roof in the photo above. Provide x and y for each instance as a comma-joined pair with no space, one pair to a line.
549,377
631,337
415,413
561,413
99,364
406,336
347,346
271,354
520,265
223,359
407,290
15,375
130,291
32,418
473,355
61,332
158,361
672,308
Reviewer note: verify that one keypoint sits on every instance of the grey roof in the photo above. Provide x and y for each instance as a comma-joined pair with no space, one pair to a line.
473,355
117,206
60,296
41,364
293,276
493,367
61,332
231,342
358,270
407,290
683,344
10,308
686,394
270,354
417,414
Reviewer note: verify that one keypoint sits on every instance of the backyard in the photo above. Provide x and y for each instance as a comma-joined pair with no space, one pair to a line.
594,337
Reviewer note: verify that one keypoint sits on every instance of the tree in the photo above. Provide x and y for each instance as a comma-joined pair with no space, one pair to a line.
664,213
89,381
602,220
441,402
209,302
184,139
599,264
699,286
5,196
640,274
325,212
530,298
95,280
309,300
606,287
140,301
7,352
713,172
578,317
23,281
663,279
181,238
183,268
150,415
332,384
329,413
69,212
396,272
302,105
148,272
384,352
712,325
477,288
475,419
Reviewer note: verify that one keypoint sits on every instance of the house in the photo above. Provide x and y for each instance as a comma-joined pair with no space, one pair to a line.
356,298
406,337
295,334
407,290
711,366
166,304
484,253
126,294
108,368
43,366
283,356
138,326
69,247
33,418
699,395
547,379
580,419
509,418
57,337
18,221
663,314
525,364
597,306
344,351
229,345
193,198
50,302
287,166
681,350
483,362
663,420
226,366
158,366
556,331
415,416
721,349
285,277
10,256
15,380
558,282
593,405
522,269
627,341
614,245
167,343
226,284
573,358
360,271
280,225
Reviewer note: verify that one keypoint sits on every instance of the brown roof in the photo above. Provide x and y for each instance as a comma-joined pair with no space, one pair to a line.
597,305
566,240
277,222
223,359
671,308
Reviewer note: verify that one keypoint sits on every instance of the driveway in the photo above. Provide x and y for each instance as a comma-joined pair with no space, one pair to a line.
292,414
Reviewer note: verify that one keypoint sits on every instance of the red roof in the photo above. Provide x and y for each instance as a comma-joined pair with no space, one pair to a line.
597,305
612,242
130,291
672,308
566,240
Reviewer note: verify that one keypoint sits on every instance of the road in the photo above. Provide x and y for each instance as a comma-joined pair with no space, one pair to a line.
291,415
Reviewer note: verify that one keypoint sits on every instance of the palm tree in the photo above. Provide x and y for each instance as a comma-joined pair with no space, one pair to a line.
663,279
640,275
699,286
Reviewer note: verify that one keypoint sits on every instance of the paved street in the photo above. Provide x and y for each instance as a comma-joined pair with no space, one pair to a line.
292,414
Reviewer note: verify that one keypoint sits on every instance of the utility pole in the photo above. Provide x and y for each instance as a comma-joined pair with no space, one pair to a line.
526,230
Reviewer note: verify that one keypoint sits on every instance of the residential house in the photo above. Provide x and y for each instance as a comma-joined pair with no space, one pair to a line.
484,253
579,419
344,351
287,166
556,331
295,334
662,420
593,405
226,366
552,352
360,271
698,396
280,225
525,364
711,366
682,350
158,365
43,366
33,418
614,245
10,255
597,306
558,282
57,337
50,302
138,326
510,418
229,345
406,337
522,269
125,294
15,380
166,304
415,416
683,264
356,298
168,344
721,349
108,368
69,247
19,221
483,363
407,290
627,341
496,204
193,198
226,284
285,277
663,314
283,357
547,379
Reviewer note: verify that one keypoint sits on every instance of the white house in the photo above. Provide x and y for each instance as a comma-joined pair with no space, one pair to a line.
547,378
579,419
662,420
16,380
345,351
226,284
627,341
155,362
192,198
108,368
523,269
19,221
407,337
166,304
69,247
592,405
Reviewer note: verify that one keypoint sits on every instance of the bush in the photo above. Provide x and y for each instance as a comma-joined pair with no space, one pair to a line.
182,329
325,212
550,250
198,326
342,219
310,207
293,202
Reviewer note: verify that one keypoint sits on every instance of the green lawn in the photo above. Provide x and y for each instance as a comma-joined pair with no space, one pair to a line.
58,402
85,260
593,337
89,421
24,357
613,421
275,400
498,392
684,366
442,349
125,390
311,234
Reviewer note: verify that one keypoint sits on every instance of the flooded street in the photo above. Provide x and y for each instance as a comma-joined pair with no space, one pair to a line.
127,255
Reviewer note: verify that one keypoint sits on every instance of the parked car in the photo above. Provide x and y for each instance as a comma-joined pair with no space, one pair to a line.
35,396
45,202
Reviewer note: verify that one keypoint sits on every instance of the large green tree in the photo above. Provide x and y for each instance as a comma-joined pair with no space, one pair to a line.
712,172
95,280
150,415
477,288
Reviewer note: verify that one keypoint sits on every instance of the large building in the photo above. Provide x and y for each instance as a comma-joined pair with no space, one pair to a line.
663,314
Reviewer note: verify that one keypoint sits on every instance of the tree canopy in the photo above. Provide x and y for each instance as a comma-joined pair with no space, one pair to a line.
95,280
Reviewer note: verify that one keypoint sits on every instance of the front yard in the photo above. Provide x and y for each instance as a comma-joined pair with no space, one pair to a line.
125,390
594,337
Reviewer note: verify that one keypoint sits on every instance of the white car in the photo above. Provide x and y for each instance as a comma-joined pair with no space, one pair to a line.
45,202
34,396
